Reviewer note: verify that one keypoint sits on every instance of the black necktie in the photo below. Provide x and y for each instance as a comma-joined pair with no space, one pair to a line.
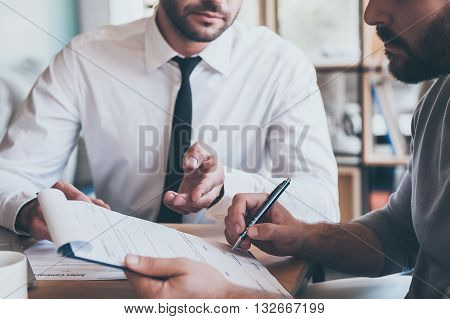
180,139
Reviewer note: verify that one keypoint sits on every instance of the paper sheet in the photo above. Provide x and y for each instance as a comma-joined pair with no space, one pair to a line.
105,236
48,265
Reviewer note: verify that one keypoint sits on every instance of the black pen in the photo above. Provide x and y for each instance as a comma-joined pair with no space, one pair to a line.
266,206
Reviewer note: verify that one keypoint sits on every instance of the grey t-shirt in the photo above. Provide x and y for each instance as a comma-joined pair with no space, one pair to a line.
414,227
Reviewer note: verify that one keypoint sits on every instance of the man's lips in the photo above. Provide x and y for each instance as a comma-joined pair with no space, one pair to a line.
208,16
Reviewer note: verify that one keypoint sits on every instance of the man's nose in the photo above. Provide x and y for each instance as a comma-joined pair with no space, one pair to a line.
377,12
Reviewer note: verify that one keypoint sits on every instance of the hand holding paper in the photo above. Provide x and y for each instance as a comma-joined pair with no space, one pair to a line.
31,219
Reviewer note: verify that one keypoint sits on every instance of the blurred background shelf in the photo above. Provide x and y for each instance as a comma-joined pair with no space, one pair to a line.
382,160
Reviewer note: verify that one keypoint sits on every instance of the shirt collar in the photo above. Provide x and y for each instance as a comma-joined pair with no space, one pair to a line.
158,52
218,53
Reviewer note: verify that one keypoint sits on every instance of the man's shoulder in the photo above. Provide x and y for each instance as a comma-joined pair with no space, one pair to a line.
110,33
436,99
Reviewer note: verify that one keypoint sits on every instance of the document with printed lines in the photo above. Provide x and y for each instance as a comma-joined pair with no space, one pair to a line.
85,231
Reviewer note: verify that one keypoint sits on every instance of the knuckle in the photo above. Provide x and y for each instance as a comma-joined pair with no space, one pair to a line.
268,231
186,156
231,214
237,198
195,149
147,263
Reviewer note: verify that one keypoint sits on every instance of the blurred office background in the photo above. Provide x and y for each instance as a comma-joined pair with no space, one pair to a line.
368,112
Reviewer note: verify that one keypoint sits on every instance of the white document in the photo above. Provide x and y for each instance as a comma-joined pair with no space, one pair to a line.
48,265
103,236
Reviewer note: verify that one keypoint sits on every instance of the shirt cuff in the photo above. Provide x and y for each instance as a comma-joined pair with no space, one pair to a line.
219,197
11,208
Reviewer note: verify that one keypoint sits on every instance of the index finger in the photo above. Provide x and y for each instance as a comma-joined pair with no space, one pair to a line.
194,157
241,206
72,192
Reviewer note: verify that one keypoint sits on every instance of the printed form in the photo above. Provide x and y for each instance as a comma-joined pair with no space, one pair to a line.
101,235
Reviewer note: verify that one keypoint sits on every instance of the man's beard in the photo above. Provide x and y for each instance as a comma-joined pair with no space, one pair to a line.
430,57
179,19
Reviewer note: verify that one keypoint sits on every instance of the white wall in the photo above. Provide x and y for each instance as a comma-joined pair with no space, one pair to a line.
123,11
28,29
93,14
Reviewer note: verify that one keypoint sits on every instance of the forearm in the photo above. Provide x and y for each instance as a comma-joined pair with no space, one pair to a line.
350,248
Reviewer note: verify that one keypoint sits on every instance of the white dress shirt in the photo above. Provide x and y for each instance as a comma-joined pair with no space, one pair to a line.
117,87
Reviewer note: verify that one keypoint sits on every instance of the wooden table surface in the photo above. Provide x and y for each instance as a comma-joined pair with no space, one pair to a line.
292,273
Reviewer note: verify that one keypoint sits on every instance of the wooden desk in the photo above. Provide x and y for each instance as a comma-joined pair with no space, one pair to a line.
292,274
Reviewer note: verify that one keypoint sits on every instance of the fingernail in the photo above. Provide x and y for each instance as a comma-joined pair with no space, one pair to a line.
238,228
192,161
253,232
171,197
132,260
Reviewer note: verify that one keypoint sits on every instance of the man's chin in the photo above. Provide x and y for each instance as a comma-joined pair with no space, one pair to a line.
203,33
406,73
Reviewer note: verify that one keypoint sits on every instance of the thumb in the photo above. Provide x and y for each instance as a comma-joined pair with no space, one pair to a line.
155,267
265,232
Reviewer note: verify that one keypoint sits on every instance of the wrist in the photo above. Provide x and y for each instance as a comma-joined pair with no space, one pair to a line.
303,232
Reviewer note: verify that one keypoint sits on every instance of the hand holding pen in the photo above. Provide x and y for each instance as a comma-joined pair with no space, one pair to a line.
277,232
264,208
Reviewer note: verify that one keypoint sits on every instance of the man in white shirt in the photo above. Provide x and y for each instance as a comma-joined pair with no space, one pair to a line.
255,103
